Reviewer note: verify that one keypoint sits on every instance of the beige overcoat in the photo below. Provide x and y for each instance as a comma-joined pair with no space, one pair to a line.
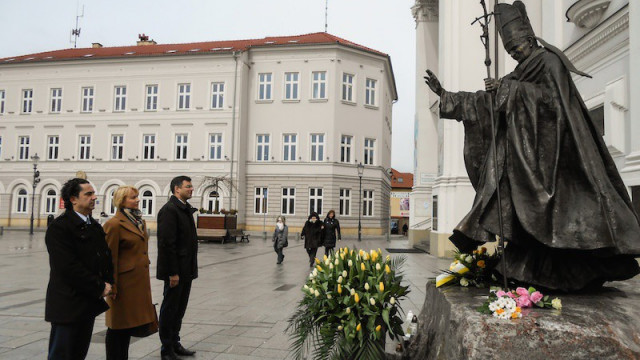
129,247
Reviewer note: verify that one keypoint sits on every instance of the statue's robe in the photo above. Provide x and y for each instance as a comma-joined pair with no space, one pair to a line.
568,219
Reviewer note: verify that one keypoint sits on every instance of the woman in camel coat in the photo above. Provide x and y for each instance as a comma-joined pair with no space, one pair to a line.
131,310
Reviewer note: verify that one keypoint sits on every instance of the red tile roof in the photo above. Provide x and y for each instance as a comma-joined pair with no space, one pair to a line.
182,49
406,182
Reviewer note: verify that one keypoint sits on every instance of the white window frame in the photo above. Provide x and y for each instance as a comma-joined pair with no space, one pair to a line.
216,145
2,101
346,149
184,96
119,98
289,147
217,95
151,145
345,202
151,97
117,145
84,147
50,202
86,100
24,143
265,86
261,200
27,101
147,203
181,146
291,86
348,81
109,208
212,203
22,201
263,147
316,196
369,151
53,147
316,147
370,97
288,203
56,101
367,199
319,85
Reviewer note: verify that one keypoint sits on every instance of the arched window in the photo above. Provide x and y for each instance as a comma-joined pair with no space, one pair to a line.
147,200
109,208
51,202
213,201
21,201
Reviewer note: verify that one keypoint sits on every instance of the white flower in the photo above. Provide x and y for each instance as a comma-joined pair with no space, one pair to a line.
464,282
317,293
340,280
372,301
556,304
366,286
326,262
348,310
392,301
315,272
306,287
352,291
469,259
328,296
344,273
378,266
340,328
313,281
337,262
350,263
331,266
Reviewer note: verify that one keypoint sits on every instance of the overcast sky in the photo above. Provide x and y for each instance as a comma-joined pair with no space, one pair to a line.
29,26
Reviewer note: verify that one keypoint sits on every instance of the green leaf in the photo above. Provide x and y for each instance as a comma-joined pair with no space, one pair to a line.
385,317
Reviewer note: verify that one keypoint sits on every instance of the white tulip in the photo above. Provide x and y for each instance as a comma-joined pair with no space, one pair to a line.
337,262
348,310
366,286
317,293
378,267
344,273
329,296
392,300
353,291
372,301
331,266
350,263
340,280
340,327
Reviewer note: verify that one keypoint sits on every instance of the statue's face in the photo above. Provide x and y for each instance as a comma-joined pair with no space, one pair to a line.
521,51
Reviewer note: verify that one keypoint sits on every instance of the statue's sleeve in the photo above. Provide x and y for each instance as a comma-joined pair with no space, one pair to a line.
465,106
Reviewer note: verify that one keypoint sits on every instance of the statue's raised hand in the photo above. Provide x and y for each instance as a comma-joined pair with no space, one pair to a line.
433,82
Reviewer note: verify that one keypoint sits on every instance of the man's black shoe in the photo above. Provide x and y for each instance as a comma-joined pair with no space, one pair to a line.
180,350
169,356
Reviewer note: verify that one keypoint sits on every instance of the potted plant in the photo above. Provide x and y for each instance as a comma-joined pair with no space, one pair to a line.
351,301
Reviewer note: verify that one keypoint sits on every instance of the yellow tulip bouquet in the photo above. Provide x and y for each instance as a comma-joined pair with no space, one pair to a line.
351,300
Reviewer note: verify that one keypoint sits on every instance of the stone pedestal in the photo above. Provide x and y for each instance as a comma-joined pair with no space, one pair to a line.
602,325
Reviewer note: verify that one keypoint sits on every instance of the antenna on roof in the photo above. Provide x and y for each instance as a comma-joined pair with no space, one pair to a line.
326,13
75,33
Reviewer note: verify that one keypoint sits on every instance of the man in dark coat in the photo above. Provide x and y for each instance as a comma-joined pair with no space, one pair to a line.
568,219
177,264
313,235
81,273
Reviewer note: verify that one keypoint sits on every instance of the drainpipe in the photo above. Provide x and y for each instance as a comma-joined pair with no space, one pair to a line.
233,129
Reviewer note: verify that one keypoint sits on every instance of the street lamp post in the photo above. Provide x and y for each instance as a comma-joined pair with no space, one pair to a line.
36,180
360,172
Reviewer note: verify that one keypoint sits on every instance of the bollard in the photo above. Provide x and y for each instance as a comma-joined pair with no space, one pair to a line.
1,230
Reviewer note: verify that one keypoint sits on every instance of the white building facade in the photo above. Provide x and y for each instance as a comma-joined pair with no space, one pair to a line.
281,122
600,37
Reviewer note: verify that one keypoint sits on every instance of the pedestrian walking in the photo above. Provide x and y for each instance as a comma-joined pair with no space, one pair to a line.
312,233
131,312
81,273
177,264
280,238
405,229
331,232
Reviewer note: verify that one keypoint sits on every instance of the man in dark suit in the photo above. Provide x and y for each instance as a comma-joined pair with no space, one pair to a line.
81,273
177,264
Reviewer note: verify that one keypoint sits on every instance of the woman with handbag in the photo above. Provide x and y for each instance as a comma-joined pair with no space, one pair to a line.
131,312
280,238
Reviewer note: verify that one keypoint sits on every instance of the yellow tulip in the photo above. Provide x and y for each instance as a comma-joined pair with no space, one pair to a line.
387,269
378,328
317,261
381,286
339,289
388,257
362,266
318,267
357,298
325,257
359,327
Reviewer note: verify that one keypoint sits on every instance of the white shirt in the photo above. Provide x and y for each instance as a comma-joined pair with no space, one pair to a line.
83,217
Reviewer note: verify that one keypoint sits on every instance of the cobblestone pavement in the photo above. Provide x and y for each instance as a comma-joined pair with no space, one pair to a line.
238,308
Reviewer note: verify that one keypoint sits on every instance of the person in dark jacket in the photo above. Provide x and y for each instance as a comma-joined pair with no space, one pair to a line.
312,233
81,273
280,238
177,264
331,232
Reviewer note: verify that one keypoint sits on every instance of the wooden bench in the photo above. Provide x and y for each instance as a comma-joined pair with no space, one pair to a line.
211,234
239,233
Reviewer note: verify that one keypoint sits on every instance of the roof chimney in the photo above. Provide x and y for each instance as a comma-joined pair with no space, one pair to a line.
96,45
144,40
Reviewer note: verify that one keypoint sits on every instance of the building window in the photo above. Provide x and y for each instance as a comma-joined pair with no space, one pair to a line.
109,207
23,147
291,83
317,147
367,202
260,201
345,202
148,147
262,147
85,147
319,85
369,145
184,96
315,201
21,201
147,200
347,87
53,142
56,100
434,213
27,101
51,202
117,147
346,142
264,86
87,99
288,201
120,98
370,92
213,201
151,102
215,146
217,95
182,146
2,96
289,142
